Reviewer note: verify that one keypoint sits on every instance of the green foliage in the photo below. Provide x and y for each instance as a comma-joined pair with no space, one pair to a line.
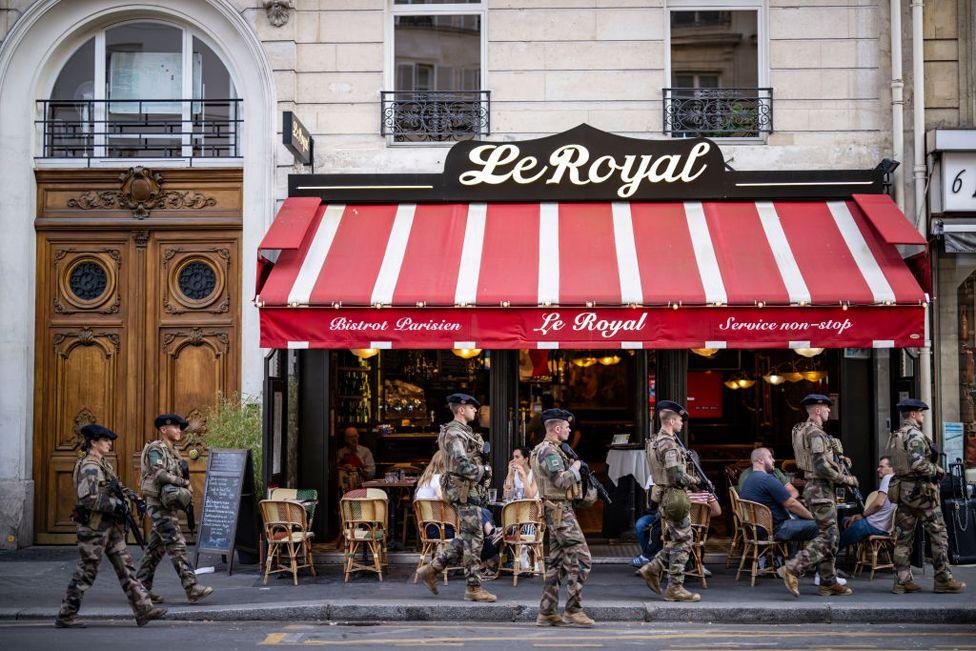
235,422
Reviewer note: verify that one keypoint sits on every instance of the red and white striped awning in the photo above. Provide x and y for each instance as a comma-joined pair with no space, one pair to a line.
427,261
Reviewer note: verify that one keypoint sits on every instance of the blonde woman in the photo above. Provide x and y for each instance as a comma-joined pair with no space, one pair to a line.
429,484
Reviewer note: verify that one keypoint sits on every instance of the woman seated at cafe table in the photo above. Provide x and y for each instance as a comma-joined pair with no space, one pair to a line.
519,484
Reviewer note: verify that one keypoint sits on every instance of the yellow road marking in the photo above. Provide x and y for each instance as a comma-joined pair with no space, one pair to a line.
274,638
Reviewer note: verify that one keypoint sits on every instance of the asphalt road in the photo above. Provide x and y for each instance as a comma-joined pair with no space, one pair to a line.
507,636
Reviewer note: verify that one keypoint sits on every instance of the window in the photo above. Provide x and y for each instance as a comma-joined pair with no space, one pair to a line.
437,50
142,90
715,75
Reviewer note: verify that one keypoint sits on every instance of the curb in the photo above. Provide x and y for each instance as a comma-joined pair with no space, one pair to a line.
418,610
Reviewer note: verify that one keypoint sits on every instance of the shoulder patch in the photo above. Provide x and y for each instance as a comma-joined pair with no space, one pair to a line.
818,445
554,463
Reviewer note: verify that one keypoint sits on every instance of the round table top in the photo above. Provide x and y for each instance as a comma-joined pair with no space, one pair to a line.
406,482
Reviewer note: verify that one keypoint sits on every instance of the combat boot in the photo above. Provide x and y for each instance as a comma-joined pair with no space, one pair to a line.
834,590
147,616
903,588
579,618
678,593
71,621
548,620
477,593
790,580
155,598
652,575
428,575
949,586
198,592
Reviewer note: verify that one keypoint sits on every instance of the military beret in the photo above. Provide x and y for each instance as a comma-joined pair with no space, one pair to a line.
462,399
557,414
816,399
170,419
95,431
671,405
911,404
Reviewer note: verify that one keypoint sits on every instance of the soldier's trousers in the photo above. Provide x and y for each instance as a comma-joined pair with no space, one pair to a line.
822,550
91,545
466,546
568,561
919,500
166,537
674,555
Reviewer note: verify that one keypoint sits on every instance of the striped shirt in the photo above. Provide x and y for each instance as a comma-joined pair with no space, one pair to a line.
703,497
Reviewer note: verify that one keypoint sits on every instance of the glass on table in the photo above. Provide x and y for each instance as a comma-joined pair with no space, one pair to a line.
492,495
840,494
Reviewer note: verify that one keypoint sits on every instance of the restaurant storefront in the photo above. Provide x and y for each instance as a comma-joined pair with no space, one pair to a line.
587,270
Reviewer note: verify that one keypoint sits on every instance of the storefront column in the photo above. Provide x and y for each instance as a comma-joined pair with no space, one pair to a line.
314,454
501,396
671,379
642,418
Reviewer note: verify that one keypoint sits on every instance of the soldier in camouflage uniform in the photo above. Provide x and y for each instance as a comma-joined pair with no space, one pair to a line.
463,483
568,560
915,490
99,516
815,456
166,491
668,463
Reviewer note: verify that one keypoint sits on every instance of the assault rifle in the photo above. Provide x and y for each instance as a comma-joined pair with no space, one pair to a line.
586,475
128,521
191,518
845,466
706,482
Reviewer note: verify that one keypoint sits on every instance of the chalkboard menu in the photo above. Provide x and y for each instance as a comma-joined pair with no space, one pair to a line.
229,484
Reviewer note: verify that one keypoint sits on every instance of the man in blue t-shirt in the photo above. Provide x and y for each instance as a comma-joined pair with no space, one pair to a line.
761,486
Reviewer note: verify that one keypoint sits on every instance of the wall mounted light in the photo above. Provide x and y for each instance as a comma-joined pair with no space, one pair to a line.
808,352
364,353
466,353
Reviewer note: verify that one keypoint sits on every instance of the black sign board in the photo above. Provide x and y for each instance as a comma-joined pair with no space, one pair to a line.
296,138
228,504
586,164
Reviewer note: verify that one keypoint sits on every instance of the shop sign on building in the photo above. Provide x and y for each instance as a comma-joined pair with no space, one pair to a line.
959,181
296,138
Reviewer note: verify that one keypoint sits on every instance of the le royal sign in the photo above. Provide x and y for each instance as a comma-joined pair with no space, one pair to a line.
584,164
296,138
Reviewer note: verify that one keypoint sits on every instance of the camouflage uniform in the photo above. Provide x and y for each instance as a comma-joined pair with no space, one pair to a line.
160,467
568,561
99,532
668,462
463,488
814,455
916,492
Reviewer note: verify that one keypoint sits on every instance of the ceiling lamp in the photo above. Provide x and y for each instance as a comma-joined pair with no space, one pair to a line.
745,383
731,384
705,352
466,353
584,362
774,379
610,360
808,352
364,353
793,376
812,376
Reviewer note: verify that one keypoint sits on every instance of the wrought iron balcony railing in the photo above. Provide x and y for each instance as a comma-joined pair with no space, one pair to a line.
718,112
134,128
434,116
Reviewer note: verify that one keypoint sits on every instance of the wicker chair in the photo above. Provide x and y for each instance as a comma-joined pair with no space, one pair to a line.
733,470
701,520
758,541
308,497
523,527
737,546
870,550
286,529
437,525
364,527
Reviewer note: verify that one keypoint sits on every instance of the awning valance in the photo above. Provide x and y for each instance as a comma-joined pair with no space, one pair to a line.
813,261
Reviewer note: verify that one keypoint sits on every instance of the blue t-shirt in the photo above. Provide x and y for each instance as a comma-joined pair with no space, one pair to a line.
769,491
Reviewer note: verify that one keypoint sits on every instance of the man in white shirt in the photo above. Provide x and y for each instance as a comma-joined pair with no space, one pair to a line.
877,518
356,456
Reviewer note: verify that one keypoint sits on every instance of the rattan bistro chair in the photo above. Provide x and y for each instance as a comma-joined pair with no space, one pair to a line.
437,525
308,497
758,540
737,546
286,530
365,527
523,527
701,520
871,551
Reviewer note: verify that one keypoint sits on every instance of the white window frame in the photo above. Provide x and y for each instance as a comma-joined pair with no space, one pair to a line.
389,70
762,42
187,34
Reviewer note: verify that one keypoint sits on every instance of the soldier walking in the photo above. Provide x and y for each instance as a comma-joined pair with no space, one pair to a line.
568,561
668,462
101,528
814,456
915,489
166,492
463,482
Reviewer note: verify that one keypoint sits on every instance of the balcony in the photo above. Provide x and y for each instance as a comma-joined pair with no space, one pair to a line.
179,128
718,112
434,116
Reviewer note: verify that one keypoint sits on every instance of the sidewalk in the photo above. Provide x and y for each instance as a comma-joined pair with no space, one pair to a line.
32,583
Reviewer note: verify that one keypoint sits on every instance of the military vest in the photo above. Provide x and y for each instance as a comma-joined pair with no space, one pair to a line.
171,464
897,449
801,445
458,489
547,489
107,474
655,457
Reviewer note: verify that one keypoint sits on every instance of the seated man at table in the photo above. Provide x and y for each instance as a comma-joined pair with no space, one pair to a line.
355,457
878,515
777,473
762,487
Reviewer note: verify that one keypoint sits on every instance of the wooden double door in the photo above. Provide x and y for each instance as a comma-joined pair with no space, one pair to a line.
136,315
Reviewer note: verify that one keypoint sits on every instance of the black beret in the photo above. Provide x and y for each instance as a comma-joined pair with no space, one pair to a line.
911,404
816,399
170,419
671,405
557,414
95,431
462,399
